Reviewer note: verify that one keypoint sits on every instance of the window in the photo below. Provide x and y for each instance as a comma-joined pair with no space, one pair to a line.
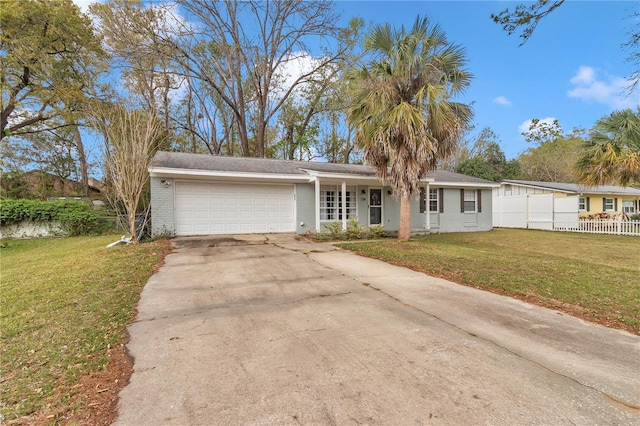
608,205
351,203
469,201
327,204
582,203
433,200
331,203
628,207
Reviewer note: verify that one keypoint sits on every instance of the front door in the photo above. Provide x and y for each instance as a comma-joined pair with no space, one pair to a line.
375,206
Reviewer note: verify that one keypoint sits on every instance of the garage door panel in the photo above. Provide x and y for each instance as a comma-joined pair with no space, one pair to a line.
200,215
227,208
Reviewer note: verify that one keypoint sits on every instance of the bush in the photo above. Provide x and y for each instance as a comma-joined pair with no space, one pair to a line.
334,229
635,217
376,231
355,231
74,216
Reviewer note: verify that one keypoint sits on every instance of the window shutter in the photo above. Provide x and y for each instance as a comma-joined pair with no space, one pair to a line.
441,199
423,199
479,191
615,204
462,201
604,204
588,206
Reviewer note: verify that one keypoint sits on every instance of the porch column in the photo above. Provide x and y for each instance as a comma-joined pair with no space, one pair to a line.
344,205
317,197
427,208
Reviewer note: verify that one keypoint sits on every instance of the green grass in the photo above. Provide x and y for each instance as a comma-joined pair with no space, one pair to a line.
596,277
64,302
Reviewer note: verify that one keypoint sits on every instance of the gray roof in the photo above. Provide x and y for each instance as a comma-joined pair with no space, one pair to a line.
576,188
443,176
182,160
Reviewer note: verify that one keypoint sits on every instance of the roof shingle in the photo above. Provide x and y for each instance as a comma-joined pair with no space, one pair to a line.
574,187
182,160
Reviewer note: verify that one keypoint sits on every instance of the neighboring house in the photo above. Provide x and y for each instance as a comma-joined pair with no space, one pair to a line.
193,194
591,200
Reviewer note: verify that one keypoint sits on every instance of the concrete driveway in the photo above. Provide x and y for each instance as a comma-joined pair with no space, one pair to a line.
271,330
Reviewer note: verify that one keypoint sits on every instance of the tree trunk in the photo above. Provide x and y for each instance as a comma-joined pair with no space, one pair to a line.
260,144
404,232
82,159
132,225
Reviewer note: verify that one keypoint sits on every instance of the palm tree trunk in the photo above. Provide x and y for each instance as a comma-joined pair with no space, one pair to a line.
404,232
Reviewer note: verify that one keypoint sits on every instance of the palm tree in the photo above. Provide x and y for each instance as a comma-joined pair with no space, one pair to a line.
611,155
403,115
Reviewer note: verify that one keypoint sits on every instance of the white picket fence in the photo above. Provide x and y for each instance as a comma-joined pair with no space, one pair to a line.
615,227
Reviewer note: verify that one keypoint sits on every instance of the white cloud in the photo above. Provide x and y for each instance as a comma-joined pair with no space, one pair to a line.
294,66
501,100
610,90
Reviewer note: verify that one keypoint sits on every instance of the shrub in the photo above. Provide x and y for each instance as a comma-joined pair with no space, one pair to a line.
635,217
376,231
355,231
334,229
74,216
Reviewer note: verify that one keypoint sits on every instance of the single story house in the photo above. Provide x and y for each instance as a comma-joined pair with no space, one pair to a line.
591,200
194,194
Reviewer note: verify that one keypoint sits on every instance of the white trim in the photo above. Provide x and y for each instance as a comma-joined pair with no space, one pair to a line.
596,190
237,176
545,188
381,205
317,197
295,208
343,195
349,176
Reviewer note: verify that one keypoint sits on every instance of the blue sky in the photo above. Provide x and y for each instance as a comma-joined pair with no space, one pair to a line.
571,69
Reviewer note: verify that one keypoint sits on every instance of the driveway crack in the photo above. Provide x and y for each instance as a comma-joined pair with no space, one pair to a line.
628,405
232,305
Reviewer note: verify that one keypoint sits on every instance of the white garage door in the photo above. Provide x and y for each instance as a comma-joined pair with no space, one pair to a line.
228,208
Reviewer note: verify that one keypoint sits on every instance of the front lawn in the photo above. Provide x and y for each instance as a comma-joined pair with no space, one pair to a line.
595,277
65,302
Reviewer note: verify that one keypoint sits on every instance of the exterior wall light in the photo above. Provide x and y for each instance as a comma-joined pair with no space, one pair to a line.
165,183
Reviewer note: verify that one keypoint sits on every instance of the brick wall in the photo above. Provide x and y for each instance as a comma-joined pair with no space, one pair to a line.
162,208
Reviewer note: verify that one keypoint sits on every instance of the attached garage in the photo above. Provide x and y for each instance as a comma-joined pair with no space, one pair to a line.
207,208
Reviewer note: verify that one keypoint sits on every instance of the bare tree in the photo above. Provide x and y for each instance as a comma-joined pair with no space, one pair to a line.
241,51
204,123
131,138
